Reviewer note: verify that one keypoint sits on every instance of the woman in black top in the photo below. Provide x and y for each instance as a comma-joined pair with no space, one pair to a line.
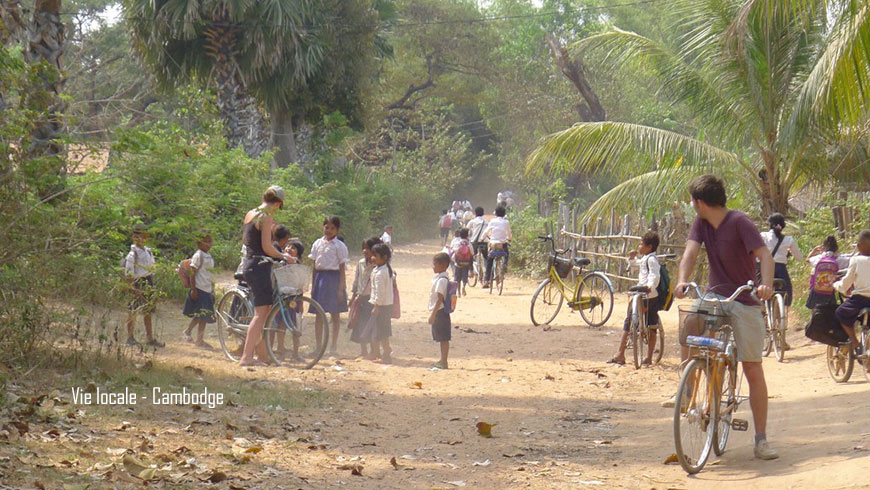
257,236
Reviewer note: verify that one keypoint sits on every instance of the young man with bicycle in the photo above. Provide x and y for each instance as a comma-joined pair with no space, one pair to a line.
733,244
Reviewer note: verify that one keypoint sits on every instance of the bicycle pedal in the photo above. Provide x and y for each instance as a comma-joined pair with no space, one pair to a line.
739,424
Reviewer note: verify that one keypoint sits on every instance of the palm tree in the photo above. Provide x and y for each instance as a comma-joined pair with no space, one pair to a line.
771,83
231,44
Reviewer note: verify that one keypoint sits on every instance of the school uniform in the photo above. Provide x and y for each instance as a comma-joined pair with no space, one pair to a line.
857,279
362,287
497,231
203,306
382,297
441,327
780,259
139,264
328,257
649,275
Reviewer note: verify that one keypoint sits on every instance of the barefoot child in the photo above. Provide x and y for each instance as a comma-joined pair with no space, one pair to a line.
439,318
382,302
649,276
199,305
857,279
329,283
463,255
362,293
138,267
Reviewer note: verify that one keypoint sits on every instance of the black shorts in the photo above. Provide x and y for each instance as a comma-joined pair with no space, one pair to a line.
143,295
652,313
259,278
441,327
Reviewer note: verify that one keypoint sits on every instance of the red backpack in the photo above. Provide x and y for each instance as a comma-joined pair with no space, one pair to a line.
824,275
446,221
464,255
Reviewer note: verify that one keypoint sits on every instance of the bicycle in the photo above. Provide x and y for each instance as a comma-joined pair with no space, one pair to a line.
841,360
704,409
639,330
499,262
291,312
775,321
591,294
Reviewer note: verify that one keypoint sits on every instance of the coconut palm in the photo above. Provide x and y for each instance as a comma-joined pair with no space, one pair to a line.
231,45
771,82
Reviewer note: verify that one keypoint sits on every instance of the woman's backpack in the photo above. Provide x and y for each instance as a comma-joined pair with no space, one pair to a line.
824,275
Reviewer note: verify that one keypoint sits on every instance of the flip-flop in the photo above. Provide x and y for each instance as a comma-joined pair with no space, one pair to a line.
613,360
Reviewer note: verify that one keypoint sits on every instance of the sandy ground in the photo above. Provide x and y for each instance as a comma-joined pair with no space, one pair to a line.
562,417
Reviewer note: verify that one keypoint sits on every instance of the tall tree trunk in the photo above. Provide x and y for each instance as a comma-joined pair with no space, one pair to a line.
12,22
590,110
283,137
244,124
44,48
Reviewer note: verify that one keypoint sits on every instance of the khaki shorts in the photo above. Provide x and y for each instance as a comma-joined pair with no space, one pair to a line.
747,323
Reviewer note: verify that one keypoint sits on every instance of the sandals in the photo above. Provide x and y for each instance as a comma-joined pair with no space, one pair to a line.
614,360
438,365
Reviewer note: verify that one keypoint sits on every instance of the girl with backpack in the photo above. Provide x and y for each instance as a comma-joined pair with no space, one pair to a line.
826,263
380,324
463,256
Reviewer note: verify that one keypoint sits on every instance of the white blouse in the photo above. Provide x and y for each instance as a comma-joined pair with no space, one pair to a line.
788,245
328,255
382,286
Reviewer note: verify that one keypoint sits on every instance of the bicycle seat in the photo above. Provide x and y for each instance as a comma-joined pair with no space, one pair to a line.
239,276
581,261
637,289
778,284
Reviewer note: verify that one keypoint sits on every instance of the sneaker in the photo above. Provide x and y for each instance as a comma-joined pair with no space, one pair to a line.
187,338
155,343
764,451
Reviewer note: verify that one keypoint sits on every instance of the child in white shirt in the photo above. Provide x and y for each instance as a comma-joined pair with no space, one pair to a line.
648,276
382,302
329,281
856,280
199,305
138,269
439,318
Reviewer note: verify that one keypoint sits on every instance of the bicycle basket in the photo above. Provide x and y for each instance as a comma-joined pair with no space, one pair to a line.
700,321
291,278
563,265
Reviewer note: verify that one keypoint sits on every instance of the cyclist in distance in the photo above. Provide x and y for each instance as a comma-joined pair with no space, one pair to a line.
733,244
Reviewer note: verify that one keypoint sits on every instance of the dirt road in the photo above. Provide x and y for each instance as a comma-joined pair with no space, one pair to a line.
562,417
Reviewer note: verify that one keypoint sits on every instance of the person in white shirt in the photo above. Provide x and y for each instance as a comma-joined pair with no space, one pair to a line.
781,246
199,305
498,234
387,237
439,317
476,226
857,279
649,276
138,270
382,302
329,281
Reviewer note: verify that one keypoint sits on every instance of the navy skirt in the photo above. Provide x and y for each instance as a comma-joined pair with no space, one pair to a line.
362,319
780,271
201,308
378,327
325,291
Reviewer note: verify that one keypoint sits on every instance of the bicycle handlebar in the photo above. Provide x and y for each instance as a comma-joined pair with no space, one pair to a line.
749,286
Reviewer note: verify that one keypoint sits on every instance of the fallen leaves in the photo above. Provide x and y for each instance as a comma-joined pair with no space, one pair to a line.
485,429
417,385
672,459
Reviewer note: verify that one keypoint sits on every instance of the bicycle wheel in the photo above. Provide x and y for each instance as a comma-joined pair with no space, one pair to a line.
840,362
693,416
596,299
234,313
546,303
768,338
481,268
778,328
727,407
660,348
296,323
500,263
636,341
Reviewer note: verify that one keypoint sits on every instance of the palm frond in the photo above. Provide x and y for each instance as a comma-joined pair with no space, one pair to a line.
676,79
837,90
624,149
651,191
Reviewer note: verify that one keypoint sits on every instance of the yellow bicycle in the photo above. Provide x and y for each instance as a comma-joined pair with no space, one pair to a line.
590,294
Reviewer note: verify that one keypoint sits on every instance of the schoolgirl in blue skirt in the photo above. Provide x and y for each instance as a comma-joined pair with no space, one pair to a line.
328,285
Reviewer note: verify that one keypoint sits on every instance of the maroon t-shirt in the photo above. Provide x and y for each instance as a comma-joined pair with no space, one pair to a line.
729,252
